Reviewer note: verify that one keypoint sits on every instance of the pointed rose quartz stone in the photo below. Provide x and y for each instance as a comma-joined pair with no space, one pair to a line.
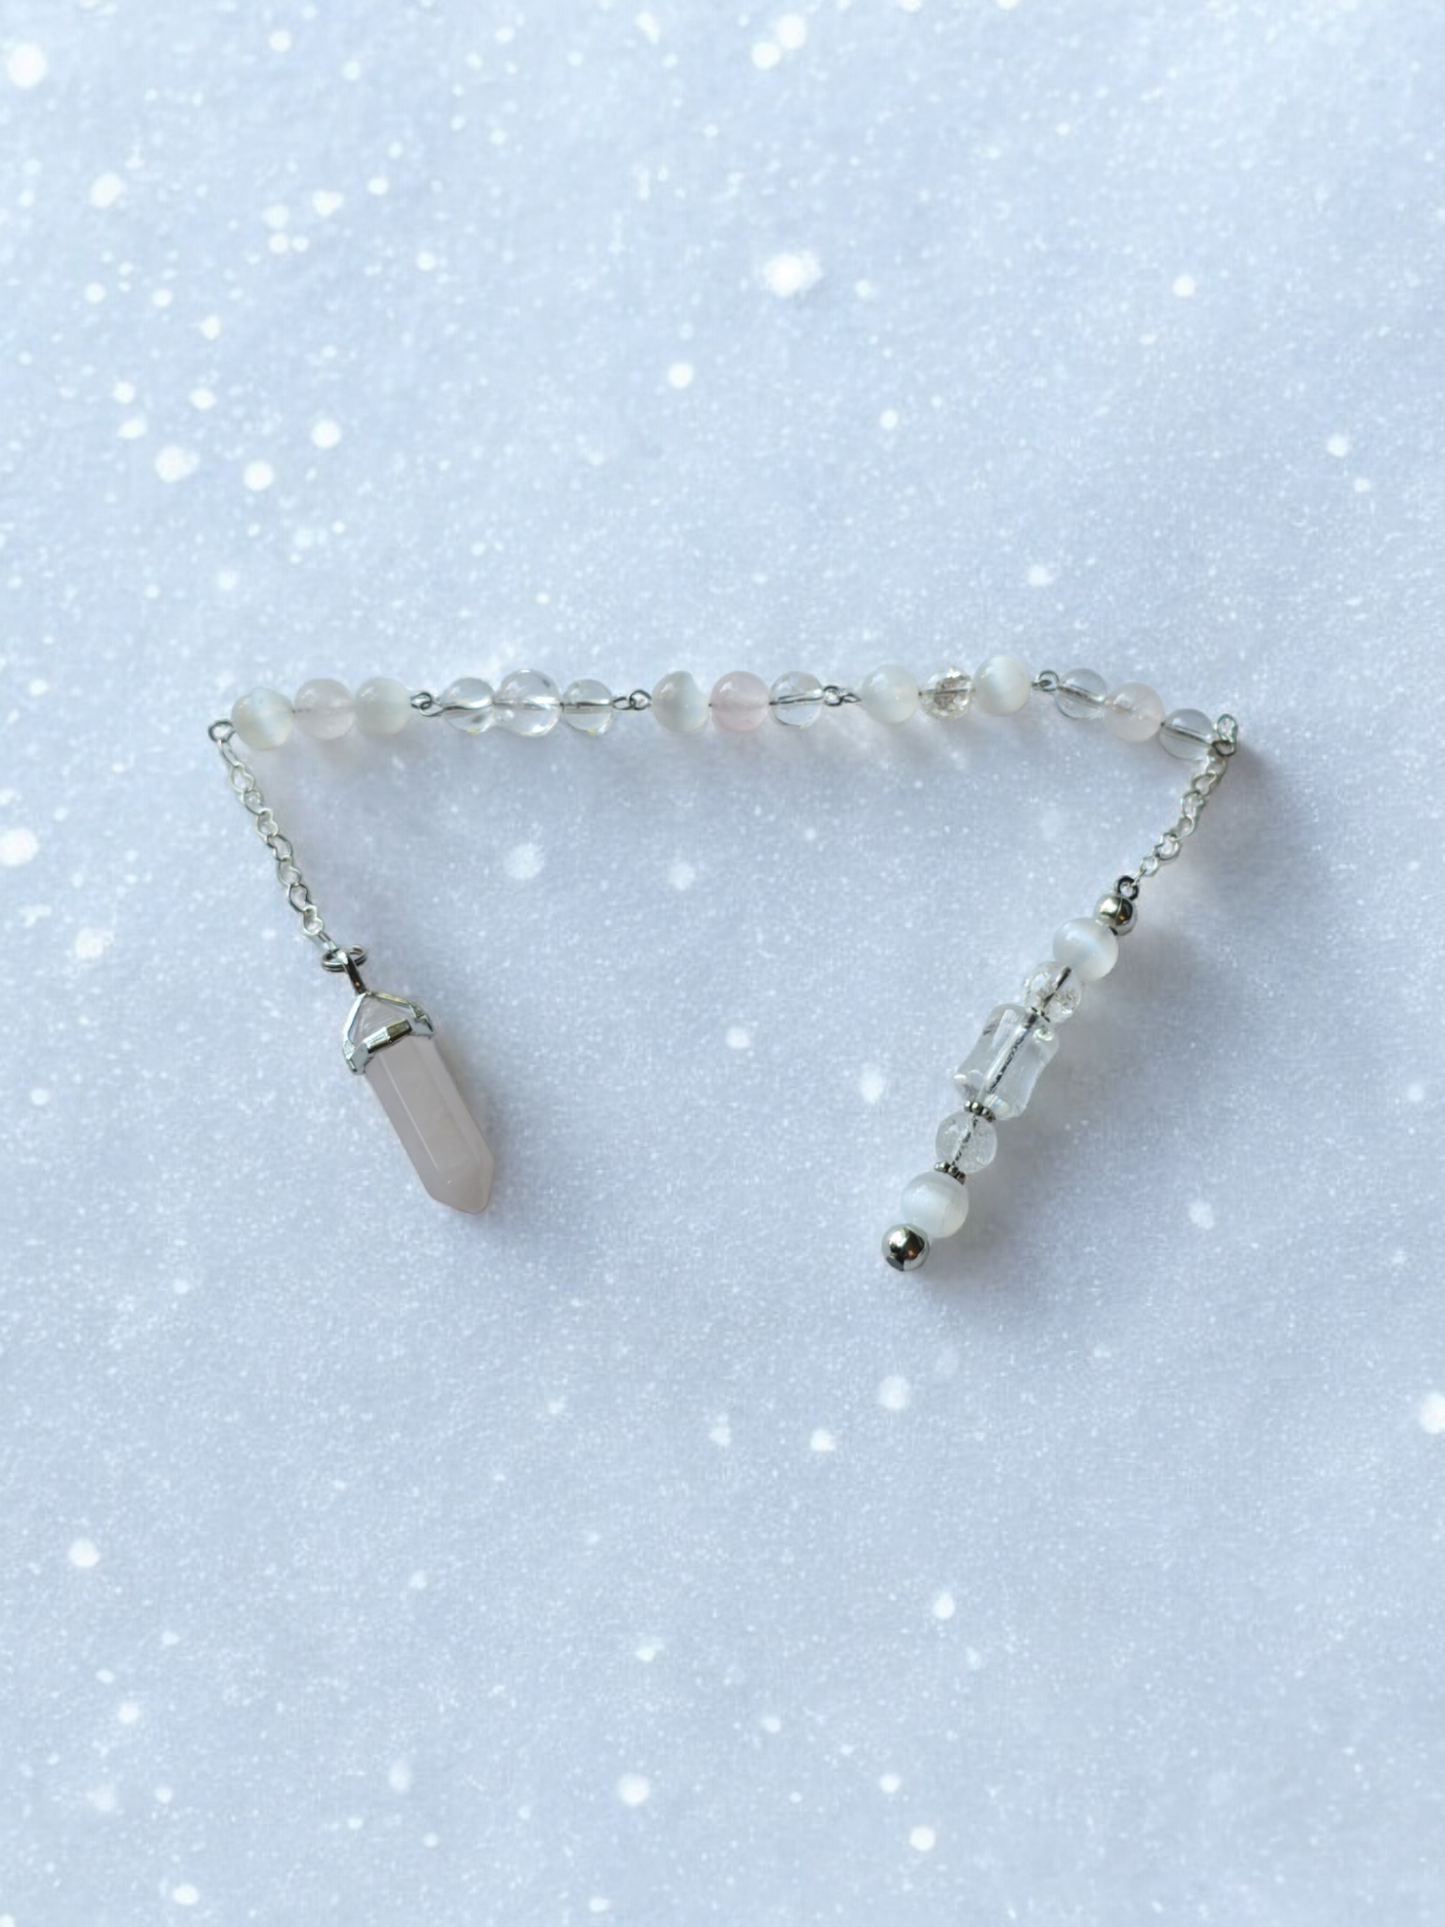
439,1133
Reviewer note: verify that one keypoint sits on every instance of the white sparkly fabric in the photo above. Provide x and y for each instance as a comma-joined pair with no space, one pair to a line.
645,1550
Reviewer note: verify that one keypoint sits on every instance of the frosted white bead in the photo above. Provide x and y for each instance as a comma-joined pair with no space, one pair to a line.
468,705
739,701
528,703
678,703
1133,713
262,719
890,695
1080,695
383,706
1187,734
966,1140
935,1204
1087,946
1002,685
797,698
946,694
587,707
324,709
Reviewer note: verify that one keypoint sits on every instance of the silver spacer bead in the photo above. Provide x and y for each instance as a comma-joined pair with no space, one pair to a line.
980,1109
904,1248
1115,912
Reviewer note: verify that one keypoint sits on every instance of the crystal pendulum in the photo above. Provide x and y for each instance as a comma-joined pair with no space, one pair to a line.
390,1043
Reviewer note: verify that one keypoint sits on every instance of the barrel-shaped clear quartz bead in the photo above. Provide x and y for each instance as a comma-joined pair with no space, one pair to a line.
1004,1065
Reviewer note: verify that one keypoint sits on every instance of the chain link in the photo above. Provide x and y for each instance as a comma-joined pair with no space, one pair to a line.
1205,782
298,892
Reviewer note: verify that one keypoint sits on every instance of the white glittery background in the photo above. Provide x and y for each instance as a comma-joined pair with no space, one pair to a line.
646,1550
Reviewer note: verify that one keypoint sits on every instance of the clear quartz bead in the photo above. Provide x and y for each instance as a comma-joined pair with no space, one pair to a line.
1080,695
797,698
946,694
587,707
528,703
469,705
1187,734
966,1141
1054,990
1004,1065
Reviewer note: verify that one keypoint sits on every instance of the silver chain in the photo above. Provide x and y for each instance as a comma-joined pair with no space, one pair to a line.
298,892
1205,782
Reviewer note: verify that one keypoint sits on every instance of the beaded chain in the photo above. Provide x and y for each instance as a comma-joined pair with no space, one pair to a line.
995,1081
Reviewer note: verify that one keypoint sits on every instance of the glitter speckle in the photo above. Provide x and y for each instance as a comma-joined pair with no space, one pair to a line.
739,1037
398,1776
326,433
17,847
871,1085
186,1895
822,1441
1201,1214
1431,1414
680,374
523,862
84,1554
895,1394
91,943
789,275
681,875
1184,285
174,464
922,1839
26,65
944,1605
1338,446
634,1790
106,190
258,476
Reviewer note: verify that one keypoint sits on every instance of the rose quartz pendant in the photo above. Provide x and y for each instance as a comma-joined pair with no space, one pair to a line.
389,1041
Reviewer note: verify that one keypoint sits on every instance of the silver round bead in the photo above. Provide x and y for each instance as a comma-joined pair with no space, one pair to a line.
904,1248
1115,912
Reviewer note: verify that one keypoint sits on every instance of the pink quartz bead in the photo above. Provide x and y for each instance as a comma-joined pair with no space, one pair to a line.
739,701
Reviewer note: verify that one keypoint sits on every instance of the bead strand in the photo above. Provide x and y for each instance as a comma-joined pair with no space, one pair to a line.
997,1078
528,703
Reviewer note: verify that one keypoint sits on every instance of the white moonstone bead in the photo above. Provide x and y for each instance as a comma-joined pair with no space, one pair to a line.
678,703
1002,685
935,1204
1088,947
797,698
324,709
528,703
739,701
262,719
383,706
1187,734
1133,713
469,705
890,695
587,707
